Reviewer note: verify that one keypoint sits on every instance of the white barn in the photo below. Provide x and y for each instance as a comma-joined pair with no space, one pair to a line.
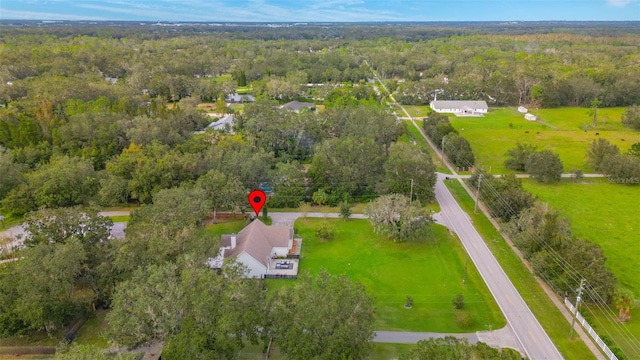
460,107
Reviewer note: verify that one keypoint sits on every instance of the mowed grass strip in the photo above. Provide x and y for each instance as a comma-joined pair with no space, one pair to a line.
429,271
501,129
606,214
553,322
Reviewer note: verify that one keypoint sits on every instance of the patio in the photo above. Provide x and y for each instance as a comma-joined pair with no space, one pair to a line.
283,267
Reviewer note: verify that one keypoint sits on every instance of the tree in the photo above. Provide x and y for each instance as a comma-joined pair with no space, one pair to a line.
635,150
242,79
323,317
517,157
396,217
92,230
407,166
65,181
451,348
46,280
622,168
459,151
598,151
624,301
631,117
544,166
349,165
345,210
185,304
320,197
225,192
324,230
593,111
52,226
288,185
458,302
11,172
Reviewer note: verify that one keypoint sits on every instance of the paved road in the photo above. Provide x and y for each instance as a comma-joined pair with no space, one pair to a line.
532,338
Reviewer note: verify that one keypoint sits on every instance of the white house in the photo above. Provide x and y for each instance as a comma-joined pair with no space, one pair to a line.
260,248
460,107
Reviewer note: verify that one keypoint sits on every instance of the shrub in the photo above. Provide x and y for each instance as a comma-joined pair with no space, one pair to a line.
464,319
458,302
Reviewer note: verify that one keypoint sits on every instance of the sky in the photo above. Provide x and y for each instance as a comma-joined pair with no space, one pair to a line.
322,10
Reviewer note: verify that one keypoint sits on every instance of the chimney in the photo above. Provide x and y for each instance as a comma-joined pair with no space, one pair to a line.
233,241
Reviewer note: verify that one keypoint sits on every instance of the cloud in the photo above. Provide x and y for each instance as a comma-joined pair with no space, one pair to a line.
39,15
618,3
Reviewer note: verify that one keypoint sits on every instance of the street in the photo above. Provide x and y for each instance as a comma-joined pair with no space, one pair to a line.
529,333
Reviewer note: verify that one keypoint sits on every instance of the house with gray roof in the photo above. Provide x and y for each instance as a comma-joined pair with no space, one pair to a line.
263,250
460,107
237,98
297,105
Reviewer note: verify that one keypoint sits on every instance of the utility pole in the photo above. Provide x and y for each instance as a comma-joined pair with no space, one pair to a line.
478,193
411,196
575,314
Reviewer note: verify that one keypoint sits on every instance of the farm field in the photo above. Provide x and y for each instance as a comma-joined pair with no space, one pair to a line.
431,272
500,130
606,214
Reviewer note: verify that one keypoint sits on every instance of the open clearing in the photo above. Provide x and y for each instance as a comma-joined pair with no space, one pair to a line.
502,128
429,271
605,214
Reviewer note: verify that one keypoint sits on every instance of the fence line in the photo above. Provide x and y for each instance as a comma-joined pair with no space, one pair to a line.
279,276
579,318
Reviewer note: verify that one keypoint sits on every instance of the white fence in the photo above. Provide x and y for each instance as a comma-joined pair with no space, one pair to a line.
590,331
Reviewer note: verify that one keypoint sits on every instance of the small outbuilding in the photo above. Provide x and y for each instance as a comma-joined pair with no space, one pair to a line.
530,117
522,110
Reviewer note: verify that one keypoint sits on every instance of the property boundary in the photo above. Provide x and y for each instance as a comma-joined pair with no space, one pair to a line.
609,354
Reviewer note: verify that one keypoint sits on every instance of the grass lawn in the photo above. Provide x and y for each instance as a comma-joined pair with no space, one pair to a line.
123,218
429,271
606,214
545,311
419,111
502,128
91,332
224,227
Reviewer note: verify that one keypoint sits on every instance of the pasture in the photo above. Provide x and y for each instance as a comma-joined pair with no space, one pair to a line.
559,130
605,214
429,271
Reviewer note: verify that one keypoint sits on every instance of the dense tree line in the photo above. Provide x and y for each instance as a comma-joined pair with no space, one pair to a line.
606,158
446,137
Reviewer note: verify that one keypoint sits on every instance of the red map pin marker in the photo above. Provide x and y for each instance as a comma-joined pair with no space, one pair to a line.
257,198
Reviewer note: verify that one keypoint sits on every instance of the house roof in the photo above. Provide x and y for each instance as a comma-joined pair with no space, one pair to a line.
221,124
236,98
258,240
297,105
459,104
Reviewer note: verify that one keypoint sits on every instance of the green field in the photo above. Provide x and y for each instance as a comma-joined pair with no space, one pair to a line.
429,271
502,128
607,215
